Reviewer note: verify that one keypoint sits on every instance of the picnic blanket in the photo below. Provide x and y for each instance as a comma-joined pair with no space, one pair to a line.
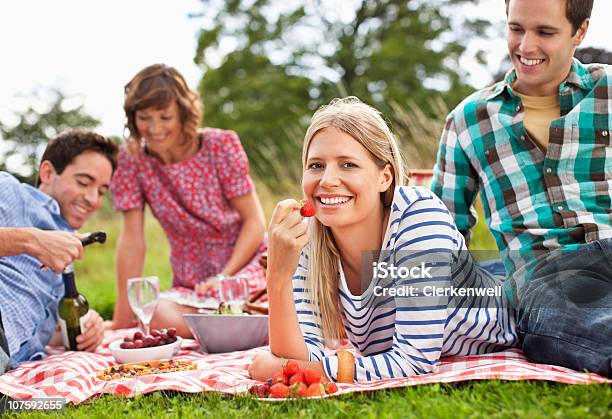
72,375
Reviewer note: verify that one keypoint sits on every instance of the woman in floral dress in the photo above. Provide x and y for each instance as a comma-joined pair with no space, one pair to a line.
196,183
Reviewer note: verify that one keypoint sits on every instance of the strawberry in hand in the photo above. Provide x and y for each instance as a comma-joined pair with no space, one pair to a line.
307,209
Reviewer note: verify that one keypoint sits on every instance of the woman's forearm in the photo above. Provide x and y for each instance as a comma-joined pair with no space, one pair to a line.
249,240
286,339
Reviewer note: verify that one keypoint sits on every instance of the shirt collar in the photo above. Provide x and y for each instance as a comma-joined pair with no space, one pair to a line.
579,77
45,200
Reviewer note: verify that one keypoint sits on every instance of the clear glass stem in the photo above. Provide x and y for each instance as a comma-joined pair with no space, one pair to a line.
146,327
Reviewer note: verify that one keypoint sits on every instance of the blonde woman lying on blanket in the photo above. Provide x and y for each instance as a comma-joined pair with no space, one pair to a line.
353,176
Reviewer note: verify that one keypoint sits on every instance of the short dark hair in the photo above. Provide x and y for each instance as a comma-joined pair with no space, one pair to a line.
576,11
65,147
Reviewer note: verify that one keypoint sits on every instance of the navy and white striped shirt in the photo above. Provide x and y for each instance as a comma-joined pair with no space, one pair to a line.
402,336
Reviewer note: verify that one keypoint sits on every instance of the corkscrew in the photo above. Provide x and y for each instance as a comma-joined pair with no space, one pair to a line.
95,237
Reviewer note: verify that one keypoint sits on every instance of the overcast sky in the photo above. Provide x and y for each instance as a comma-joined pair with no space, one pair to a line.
92,48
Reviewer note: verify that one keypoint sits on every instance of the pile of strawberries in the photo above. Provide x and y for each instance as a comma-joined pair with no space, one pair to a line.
293,381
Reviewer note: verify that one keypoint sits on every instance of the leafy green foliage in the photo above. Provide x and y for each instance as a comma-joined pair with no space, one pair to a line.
247,94
35,127
279,61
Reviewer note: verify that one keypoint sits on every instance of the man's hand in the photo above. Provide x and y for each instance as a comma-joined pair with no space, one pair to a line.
55,249
94,332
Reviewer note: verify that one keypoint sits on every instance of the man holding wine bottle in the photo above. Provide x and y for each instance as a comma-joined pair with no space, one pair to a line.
74,174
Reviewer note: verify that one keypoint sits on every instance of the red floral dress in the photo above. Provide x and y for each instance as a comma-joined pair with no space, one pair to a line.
191,200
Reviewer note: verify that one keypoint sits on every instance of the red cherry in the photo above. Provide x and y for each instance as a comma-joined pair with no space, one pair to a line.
138,335
171,332
128,339
138,343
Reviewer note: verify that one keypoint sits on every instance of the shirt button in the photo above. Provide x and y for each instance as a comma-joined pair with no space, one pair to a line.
604,133
518,108
487,152
560,207
549,170
522,138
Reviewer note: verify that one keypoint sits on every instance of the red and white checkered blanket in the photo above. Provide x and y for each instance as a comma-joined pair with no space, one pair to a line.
72,375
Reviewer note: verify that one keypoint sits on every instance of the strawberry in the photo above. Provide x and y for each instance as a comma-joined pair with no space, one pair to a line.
299,389
330,387
291,368
312,376
297,378
315,389
279,377
307,209
279,391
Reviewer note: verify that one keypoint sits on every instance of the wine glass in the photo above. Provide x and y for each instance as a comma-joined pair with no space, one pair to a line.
143,294
234,291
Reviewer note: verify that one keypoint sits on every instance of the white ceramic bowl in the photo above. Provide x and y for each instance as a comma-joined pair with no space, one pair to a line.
152,353
218,333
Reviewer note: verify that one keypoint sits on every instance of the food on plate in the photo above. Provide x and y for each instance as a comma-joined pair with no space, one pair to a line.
156,338
229,309
307,209
293,381
137,369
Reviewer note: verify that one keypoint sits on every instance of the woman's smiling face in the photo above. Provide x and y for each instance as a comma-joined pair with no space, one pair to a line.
161,128
342,179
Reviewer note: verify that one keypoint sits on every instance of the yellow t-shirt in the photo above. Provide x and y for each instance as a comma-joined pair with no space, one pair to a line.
540,111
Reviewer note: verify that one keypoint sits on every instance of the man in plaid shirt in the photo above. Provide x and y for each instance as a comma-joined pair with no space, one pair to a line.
537,147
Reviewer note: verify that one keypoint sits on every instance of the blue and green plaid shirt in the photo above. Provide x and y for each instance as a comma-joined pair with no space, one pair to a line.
535,202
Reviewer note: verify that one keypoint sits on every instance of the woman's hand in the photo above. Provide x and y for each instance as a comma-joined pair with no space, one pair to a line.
287,235
207,286
264,366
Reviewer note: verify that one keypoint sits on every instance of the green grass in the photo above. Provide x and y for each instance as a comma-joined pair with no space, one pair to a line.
96,278
490,399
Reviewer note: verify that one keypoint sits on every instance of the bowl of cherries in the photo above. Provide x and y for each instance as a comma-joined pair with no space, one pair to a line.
159,344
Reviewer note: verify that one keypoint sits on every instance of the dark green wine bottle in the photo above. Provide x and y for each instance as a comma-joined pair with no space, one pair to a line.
72,310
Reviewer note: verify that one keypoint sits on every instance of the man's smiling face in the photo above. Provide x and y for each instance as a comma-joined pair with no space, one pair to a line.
79,189
541,43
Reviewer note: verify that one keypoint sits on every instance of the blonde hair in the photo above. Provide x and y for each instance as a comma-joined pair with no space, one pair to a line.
157,86
366,125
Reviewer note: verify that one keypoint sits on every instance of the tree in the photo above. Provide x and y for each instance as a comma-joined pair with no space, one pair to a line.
287,58
29,136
